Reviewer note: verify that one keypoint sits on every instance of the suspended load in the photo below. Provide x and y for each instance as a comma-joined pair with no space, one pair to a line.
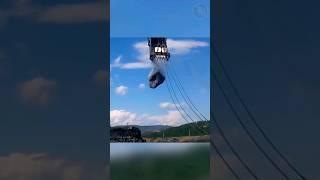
159,56
155,79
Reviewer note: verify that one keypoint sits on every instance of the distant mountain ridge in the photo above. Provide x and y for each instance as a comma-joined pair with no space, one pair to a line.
149,129
199,128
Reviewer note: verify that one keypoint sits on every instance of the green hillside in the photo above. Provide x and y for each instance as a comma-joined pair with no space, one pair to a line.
195,129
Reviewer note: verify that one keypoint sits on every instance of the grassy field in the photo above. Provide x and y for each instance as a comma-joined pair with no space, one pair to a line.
193,164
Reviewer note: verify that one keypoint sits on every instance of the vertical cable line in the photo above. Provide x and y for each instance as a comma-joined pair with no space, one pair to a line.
247,131
224,160
212,141
174,99
169,80
185,95
233,150
252,118
177,99
175,104
221,132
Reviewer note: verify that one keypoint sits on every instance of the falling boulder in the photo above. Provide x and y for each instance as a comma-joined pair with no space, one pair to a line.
155,79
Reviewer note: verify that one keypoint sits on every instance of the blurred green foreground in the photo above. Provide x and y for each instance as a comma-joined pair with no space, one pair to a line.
160,161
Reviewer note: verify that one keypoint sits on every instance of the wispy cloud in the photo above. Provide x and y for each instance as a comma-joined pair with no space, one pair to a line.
37,91
121,90
143,50
168,105
141,86
123,117
184,46
176,47
117,61
134,65
171,118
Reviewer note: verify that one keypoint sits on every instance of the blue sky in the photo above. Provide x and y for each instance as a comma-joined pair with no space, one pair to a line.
142,18
133,102
187,26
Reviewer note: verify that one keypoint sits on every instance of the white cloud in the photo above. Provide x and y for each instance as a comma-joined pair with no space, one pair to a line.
184,46
143,50
134,65
172,118
142,86
116,62
175,47
121,90
37,91
123,117
167,105
142,61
